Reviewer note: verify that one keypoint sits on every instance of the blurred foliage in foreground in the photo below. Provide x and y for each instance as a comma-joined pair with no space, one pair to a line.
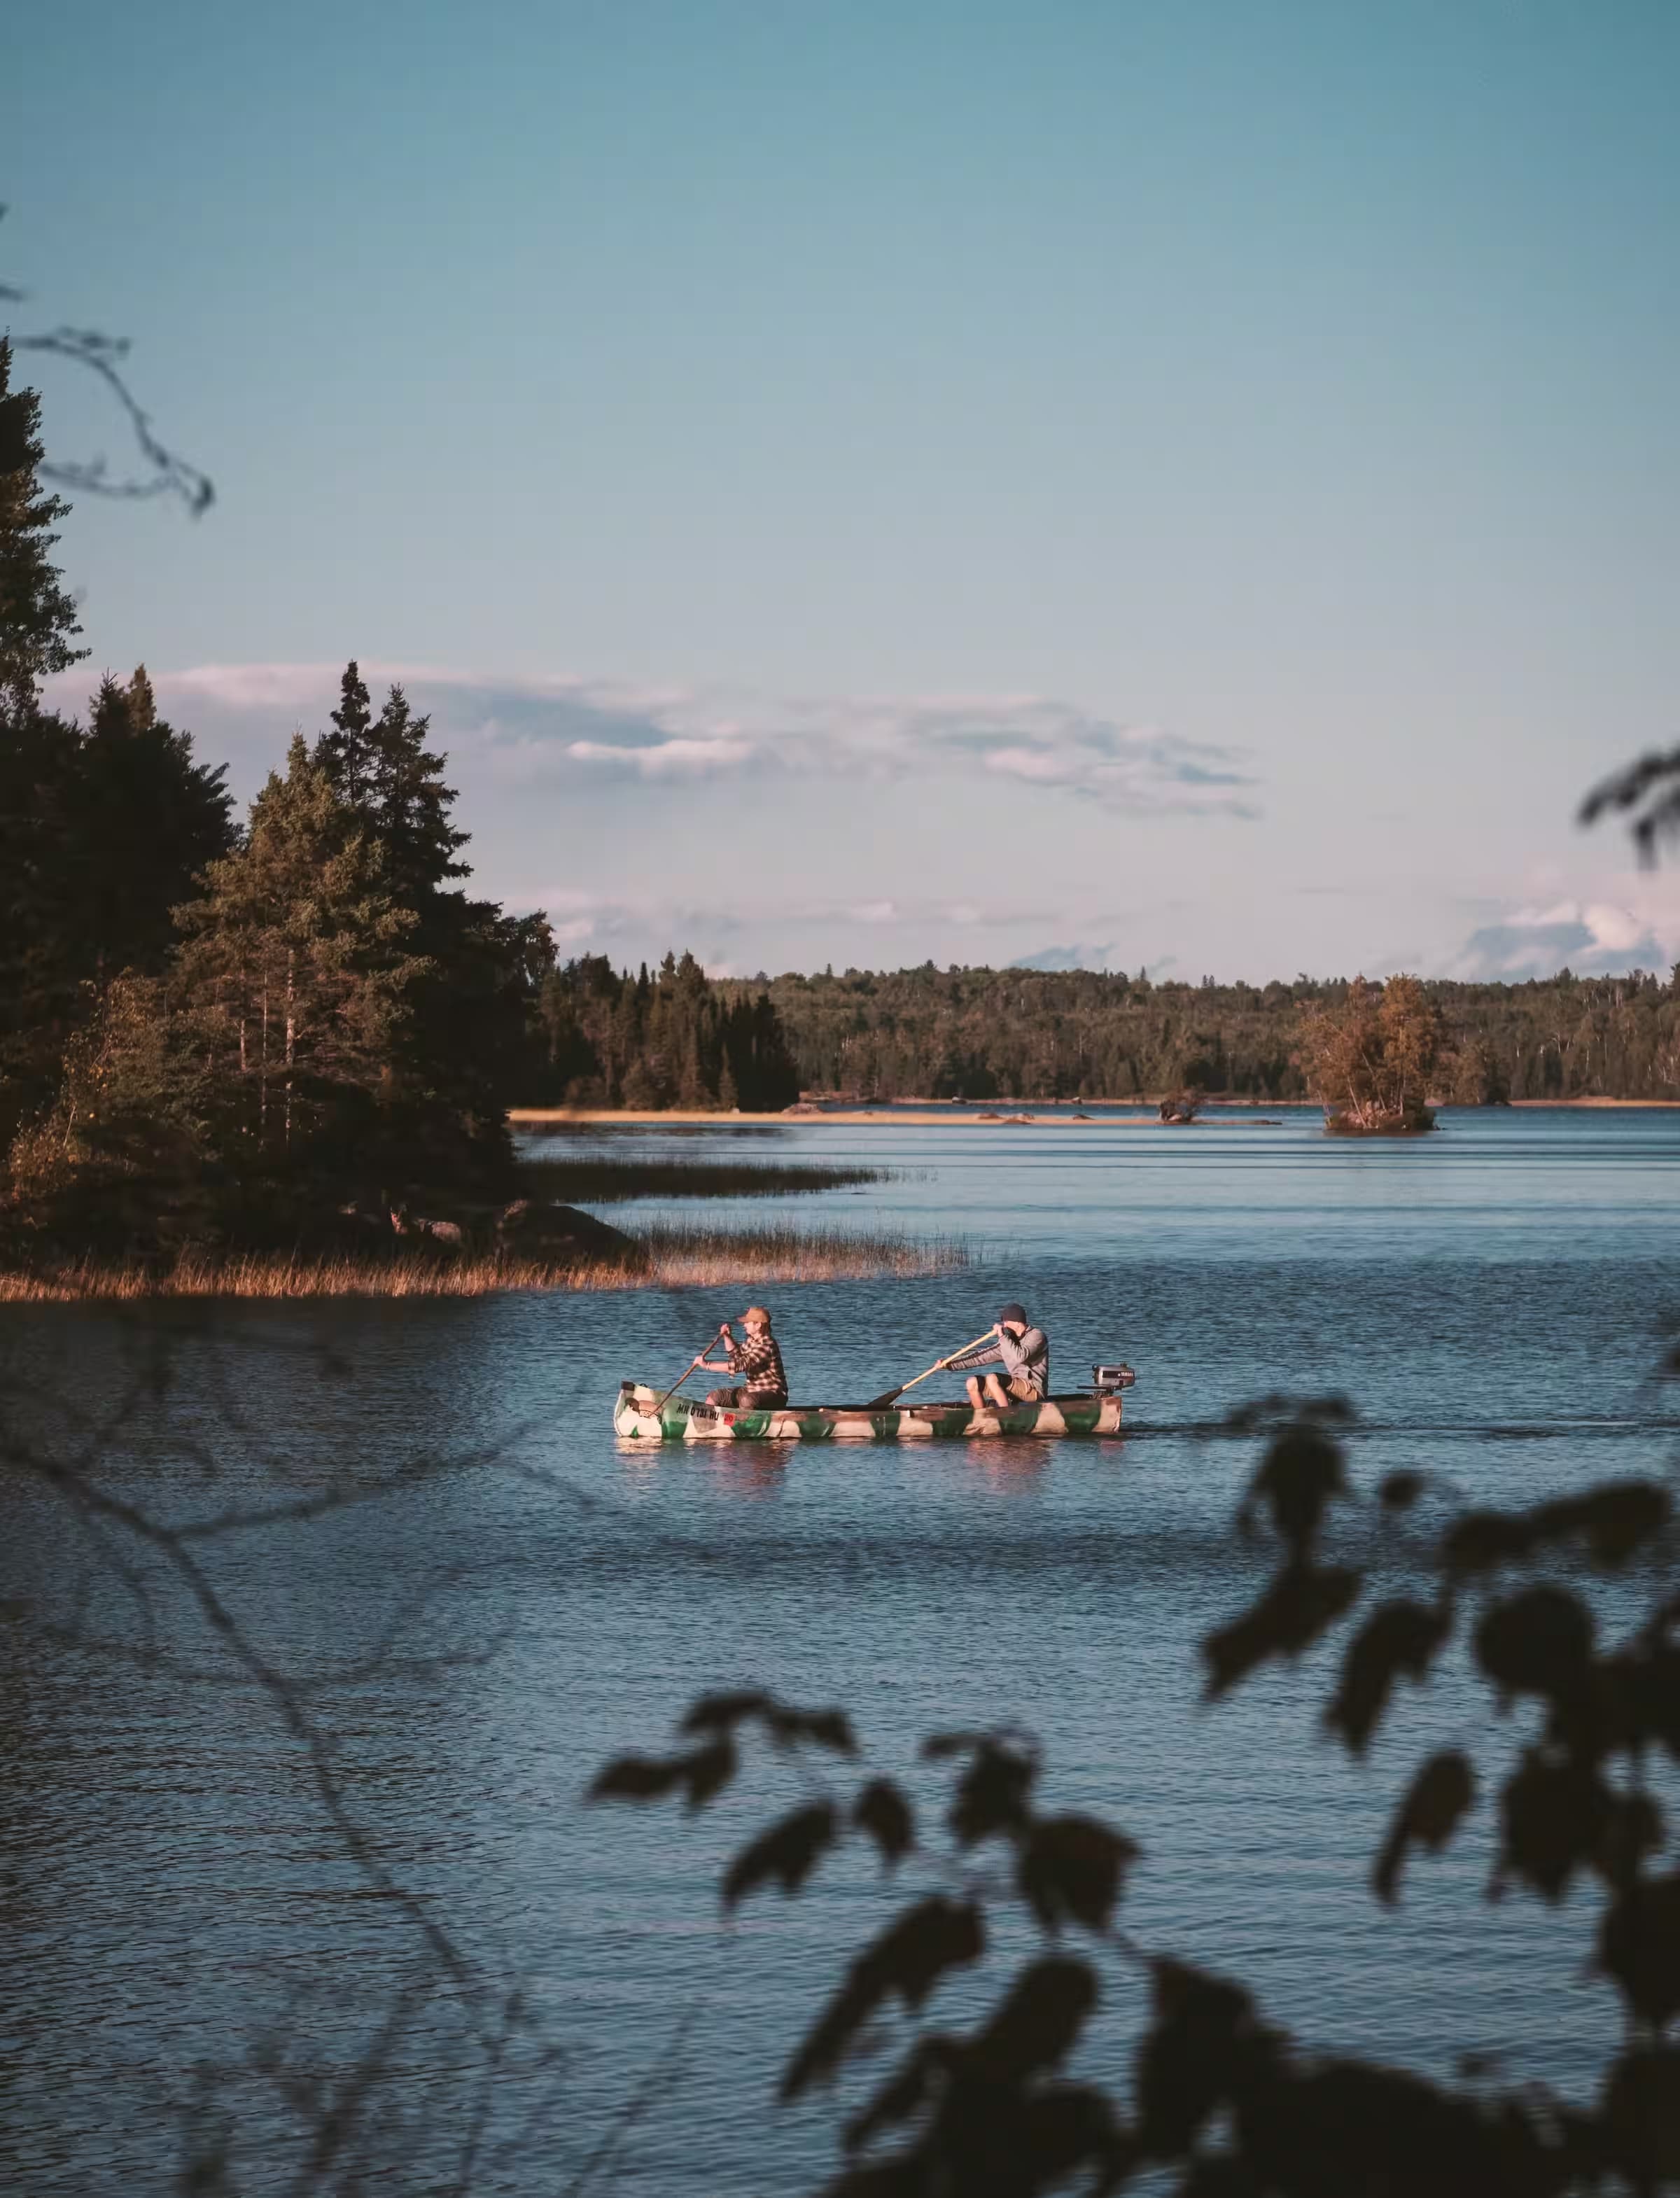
1222,2103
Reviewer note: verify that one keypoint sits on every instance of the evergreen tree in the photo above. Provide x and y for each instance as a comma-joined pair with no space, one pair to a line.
663,1040
102,833
392,785
149,820
38,619
41,917
297,973
38,764
468,1051
345,754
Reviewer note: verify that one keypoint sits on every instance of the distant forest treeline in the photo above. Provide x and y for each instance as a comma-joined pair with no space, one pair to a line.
1034,1034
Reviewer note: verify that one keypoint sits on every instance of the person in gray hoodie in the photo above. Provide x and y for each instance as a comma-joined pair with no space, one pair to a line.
1024,1353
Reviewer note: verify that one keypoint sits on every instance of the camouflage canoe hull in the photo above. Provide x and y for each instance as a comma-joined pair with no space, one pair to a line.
681,1420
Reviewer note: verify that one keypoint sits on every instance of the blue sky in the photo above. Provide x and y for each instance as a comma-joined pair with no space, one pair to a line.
1190,486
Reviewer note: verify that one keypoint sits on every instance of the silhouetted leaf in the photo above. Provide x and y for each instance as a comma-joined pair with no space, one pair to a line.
1301,1471
991,1793
637,1778
1038,2021
882,1812
907,1959
1346,2127
1071,1867
721,1713
1655,1697
1481,1540
1301,1603
1642,2116
1554,1817
829,1729
940,1747
707,1771
1538,1642
1400,1636
788,1853
1429,1815
1613,1520
1221,2177
1068,2126
1639,1946
1633,1830
1398,1491
906,2091
1188,2058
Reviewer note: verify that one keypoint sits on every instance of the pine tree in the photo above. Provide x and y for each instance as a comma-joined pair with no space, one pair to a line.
297,972
412,803
149,820
39,915
37,617
470,1046
346,752
392,785
42,926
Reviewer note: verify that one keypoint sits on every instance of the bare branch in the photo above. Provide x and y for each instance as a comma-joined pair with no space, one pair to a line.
168,473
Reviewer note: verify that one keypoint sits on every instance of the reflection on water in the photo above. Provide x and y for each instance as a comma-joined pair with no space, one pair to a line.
188,1933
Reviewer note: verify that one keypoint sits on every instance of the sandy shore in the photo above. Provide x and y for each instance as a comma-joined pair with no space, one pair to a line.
1593,1102
889,1118
950,1118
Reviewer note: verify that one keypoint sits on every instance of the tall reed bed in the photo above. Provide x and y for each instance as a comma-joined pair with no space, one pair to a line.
668,1257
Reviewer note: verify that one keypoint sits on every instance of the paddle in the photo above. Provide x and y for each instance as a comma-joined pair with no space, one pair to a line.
697,1359
880,1404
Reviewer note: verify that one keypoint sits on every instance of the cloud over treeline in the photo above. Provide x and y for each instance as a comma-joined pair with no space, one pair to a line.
546,730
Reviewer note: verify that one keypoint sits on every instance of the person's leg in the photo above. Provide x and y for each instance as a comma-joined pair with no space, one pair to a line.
973,1387
996,1396
722,1396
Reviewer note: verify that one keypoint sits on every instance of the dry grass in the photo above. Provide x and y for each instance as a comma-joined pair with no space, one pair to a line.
675,1258
796,1255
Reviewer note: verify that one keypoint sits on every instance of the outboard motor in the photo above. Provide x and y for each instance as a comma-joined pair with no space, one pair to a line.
1107,1381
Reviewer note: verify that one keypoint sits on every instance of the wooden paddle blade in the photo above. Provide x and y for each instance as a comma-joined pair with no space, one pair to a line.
880,1404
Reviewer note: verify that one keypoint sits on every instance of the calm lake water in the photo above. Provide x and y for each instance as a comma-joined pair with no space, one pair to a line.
191,1955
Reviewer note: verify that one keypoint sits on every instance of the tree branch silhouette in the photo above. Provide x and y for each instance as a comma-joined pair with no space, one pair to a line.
347,2121
165,473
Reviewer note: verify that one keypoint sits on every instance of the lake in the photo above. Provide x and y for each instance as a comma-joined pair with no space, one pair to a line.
196,1959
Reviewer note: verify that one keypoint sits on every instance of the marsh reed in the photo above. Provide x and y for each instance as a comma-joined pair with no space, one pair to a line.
664,1258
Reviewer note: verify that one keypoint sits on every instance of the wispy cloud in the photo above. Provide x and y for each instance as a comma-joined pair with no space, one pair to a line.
673,759
1592,939
531,730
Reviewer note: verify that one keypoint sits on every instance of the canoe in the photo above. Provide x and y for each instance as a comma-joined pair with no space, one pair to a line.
1090,1412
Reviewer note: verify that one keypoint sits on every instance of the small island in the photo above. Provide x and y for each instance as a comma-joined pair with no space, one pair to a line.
1369,1059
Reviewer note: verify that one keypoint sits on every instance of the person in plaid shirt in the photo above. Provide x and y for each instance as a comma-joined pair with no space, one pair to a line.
756,1361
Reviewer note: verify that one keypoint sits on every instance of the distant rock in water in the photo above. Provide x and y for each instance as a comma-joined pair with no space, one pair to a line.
563,1235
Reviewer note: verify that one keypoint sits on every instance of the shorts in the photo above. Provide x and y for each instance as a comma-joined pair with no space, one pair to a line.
1016,1386
749,1400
